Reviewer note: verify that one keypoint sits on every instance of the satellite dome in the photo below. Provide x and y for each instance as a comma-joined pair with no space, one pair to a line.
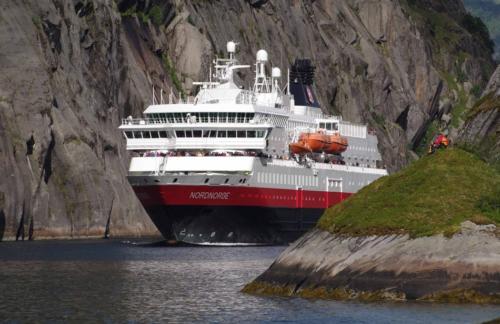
262,56
276,72
231,47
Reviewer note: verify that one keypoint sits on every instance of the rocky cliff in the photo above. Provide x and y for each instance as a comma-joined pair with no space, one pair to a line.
463,268
481,131
71,69
64,84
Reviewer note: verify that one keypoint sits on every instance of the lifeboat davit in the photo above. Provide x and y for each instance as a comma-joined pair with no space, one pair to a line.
318,142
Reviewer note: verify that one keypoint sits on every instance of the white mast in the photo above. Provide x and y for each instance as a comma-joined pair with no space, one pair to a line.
261,82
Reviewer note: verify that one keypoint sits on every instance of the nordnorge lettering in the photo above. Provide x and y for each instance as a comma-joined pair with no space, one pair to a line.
209,195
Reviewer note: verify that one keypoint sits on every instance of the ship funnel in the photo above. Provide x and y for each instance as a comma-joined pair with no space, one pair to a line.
301,83
261,56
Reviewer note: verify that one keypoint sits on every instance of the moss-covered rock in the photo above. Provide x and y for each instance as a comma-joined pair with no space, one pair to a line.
433,195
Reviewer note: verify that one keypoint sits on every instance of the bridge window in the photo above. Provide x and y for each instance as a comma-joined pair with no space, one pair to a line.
213,133
137,134
260,134
197,133
146,134
129,135
221,133
189,133
163,134
231,117
241,134
154,134
180,133
251,134
231,133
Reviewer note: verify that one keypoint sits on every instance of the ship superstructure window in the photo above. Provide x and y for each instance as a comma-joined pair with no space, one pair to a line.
216,133
197,117
333,126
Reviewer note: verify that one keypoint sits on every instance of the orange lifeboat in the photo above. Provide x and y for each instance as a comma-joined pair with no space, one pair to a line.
318,142
315,141
336,144
299,148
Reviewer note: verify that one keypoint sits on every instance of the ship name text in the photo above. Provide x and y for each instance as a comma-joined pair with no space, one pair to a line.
209,195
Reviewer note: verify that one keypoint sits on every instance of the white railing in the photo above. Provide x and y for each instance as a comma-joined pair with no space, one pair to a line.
328,166
246,97
158,165
198,122
196,144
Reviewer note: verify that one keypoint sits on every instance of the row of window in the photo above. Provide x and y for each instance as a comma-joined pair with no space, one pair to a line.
197,133
216,117
329,126
221,133
289,179
146,134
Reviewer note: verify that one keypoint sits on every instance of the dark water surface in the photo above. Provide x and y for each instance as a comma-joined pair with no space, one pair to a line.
122,281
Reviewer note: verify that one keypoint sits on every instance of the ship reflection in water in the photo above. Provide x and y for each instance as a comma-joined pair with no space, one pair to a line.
117,281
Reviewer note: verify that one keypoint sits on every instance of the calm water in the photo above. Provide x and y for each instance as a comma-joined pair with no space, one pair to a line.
122,281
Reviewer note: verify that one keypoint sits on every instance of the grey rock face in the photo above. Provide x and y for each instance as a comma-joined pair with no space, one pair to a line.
400,267
63,86
481,132
70,70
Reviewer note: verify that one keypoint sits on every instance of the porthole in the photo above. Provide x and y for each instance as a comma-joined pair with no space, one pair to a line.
206,180
175,180
227,180
156,180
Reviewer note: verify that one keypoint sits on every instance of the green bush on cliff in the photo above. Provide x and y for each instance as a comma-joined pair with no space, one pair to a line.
433,195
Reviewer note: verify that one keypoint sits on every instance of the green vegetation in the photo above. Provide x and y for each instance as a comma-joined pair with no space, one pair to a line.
458,296
37,21
431,131
460,106
169,66
489,11
486,103
476,91
476,26
433,195
155,14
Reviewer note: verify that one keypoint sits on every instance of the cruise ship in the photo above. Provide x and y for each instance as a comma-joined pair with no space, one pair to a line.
235,166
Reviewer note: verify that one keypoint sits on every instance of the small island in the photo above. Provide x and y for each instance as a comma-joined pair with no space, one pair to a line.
429,232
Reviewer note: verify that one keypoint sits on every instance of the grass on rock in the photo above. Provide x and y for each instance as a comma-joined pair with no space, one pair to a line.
433,195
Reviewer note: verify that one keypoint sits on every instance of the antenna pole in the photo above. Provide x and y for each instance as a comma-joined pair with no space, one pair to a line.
153,94
288,82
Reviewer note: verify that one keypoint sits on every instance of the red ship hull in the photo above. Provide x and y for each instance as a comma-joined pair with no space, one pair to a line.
234,214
